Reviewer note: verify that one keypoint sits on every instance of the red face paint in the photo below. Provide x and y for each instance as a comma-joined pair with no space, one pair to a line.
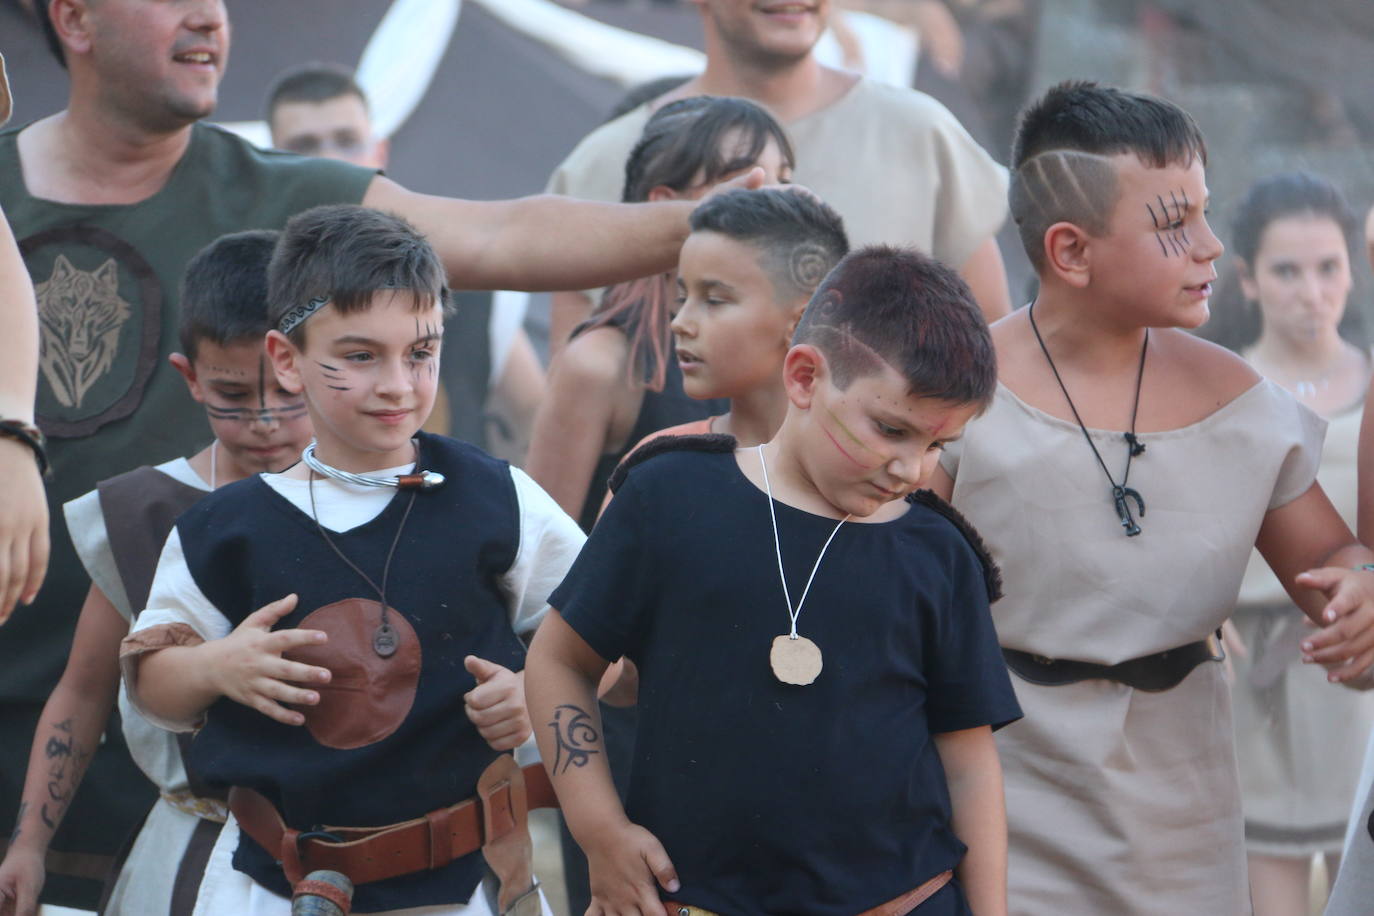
853,438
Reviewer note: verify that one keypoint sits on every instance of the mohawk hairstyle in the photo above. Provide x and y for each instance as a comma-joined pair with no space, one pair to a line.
224,291
346,254
899,307
800,238
1060,159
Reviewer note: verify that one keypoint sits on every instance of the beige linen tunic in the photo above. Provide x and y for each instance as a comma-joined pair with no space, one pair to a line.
1300,740
1121,801
893,162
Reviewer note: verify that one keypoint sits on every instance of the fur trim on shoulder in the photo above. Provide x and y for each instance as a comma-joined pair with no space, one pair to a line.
707,442
991,574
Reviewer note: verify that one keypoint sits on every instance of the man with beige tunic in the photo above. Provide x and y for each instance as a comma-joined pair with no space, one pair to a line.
892,161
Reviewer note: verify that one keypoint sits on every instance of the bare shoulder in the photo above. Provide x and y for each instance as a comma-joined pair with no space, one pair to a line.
593,359
1202,366
1015,346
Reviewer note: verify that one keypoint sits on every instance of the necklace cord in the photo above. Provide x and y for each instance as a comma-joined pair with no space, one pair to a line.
1133,446
386,567
777,547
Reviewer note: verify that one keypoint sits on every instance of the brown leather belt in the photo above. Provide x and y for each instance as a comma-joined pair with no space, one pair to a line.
897,906
367,854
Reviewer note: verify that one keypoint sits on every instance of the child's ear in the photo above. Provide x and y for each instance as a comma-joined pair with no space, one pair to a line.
802,370
661,192
285,361
1066,254
182,364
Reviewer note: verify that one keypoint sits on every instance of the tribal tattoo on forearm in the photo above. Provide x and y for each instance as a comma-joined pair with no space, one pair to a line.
575,734
66,762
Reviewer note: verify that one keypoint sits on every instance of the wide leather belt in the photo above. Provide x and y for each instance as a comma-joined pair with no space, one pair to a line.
897,906
1160,671
367,854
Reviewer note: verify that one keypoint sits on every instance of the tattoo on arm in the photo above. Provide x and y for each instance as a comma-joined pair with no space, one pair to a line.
66,762
575,734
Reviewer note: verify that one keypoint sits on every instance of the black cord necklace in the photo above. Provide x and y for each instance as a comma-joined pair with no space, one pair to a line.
384,638
1121,494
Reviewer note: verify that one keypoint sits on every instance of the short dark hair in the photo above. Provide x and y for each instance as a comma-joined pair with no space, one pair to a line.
900,307
224,291
1059,158
800,238
681,143
345,254
313,82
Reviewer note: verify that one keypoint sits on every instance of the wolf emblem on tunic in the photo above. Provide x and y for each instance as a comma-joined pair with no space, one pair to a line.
81,314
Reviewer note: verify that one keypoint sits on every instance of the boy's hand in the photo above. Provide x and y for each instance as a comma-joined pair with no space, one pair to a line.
1346,644
247,665
21,881
23,526
623,870
497,704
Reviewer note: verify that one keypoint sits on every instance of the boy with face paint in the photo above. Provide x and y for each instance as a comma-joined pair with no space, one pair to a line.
346,635
1122,476
793,609
118,530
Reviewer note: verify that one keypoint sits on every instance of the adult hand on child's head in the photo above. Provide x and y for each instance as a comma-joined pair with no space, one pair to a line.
624,863
1345,646
247,665
497,704
21,880
23,526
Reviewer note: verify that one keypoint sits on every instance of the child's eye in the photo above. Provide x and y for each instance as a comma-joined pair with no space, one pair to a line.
421,354
239,396
936,446
359,357
890,432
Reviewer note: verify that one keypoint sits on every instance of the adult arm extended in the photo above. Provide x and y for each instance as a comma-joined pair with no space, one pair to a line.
23,505
543,242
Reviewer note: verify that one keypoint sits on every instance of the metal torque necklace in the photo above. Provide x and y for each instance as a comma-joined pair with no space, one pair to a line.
1121,494
421,480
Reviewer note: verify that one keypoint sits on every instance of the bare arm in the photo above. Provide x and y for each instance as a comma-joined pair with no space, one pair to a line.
573,425
68,731
561,675
986,276
178,684
974,773
941,484
1313,553
1365,521
567,309
23,504
543,242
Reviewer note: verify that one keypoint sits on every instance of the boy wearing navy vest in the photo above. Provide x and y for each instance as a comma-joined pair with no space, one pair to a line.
346,634
818,674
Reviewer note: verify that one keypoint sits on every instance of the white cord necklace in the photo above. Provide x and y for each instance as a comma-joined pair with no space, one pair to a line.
214,477
421,480
793,658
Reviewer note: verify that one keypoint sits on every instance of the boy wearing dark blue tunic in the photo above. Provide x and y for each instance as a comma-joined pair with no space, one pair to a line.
346,634
819,677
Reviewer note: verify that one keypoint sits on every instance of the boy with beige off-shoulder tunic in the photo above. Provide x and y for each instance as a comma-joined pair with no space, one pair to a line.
1121,477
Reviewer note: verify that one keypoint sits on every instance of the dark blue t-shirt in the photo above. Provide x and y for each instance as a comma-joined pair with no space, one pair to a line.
774,799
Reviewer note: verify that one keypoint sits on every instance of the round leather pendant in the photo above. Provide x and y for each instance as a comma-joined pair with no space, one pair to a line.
795,661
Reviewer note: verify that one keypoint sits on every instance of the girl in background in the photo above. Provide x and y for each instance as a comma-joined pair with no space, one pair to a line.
1299,742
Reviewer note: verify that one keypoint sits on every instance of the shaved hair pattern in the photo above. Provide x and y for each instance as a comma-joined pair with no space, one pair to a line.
1057,187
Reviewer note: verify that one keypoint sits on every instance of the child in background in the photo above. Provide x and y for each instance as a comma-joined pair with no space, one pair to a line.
616,381
346,634
771,781
118,530
751,264
1122,795
1300,742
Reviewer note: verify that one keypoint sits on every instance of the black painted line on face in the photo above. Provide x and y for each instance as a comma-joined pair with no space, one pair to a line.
1154,219
1162,250
262,383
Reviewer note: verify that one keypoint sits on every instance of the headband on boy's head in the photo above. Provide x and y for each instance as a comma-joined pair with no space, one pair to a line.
4,93
292,319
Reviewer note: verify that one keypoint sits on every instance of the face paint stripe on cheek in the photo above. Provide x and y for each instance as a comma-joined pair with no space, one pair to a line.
855,439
